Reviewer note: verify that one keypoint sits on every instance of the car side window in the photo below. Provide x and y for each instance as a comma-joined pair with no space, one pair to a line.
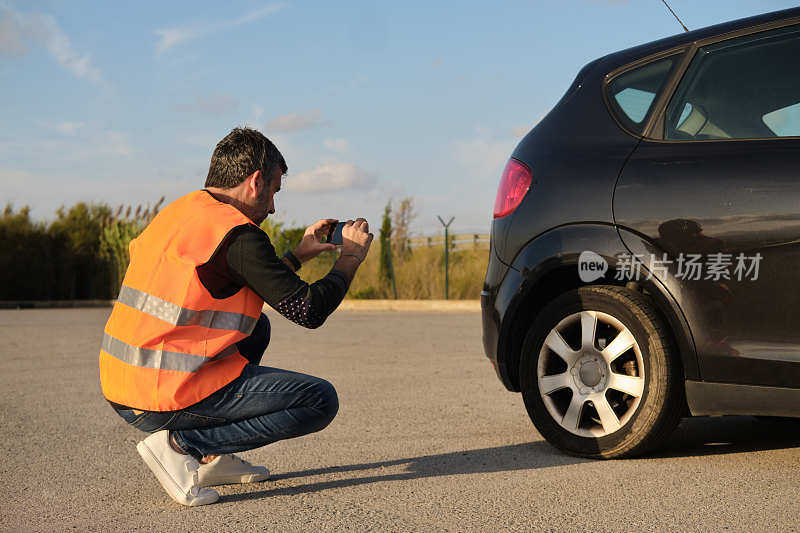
743,88
632,93
784,122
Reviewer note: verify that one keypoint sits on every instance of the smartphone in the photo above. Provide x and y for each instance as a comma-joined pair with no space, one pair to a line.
335,234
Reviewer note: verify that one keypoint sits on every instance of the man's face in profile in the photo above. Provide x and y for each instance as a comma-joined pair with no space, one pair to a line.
265,202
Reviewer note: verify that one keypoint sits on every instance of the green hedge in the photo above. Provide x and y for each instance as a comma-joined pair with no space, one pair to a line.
81,255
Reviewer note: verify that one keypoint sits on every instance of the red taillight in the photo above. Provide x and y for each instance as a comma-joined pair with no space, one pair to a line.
514,184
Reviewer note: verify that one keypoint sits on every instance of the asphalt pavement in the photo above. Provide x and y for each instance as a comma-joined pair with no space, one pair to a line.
426,439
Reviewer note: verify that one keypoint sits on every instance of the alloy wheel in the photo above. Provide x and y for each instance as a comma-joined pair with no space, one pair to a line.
591,374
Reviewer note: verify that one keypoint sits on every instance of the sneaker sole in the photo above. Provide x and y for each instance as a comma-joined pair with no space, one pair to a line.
166,481
244,478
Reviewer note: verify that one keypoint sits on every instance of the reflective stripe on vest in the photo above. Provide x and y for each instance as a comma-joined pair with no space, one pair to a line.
160,359
180,316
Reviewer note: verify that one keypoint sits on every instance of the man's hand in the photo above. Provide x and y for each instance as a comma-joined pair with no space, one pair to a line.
356,239
311,245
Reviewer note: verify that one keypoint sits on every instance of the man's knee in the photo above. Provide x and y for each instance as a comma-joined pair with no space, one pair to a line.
327,401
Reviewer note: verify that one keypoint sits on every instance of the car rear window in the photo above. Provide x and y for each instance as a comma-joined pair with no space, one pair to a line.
743,88
632,93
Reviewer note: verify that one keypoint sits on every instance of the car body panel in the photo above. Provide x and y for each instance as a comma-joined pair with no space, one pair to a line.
713,399
744,203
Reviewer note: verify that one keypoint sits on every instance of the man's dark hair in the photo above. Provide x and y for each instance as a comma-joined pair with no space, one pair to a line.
239,154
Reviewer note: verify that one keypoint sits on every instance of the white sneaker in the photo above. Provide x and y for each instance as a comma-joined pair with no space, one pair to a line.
176,472
227,469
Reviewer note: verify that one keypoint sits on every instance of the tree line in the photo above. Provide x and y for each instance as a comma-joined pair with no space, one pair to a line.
83,254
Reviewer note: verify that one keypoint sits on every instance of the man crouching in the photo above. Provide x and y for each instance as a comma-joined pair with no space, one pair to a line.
181,351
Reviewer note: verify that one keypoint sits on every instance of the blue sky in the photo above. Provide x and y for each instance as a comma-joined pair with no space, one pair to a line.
367,100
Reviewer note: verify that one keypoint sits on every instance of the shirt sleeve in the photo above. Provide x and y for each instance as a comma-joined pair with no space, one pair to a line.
252,261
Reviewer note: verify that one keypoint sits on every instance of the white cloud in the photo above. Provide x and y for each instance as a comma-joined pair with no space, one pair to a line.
59,46
18,29
293,152
483,158
212,104
330,177
337,145
64,128
114,143
169,37
257,14
69,128
85,146
172,36
295,122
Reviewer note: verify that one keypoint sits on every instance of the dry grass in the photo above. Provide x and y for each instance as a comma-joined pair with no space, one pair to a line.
419,276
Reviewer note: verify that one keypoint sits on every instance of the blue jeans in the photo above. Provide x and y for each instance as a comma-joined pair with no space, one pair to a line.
263,405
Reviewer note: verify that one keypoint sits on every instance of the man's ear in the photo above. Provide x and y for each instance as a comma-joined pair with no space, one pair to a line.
255,182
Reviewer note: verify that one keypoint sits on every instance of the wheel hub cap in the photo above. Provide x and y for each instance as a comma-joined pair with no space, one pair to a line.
589,373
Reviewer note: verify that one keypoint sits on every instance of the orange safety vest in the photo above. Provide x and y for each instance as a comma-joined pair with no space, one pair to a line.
168,343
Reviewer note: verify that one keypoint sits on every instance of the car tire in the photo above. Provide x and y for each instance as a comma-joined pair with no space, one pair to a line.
589,395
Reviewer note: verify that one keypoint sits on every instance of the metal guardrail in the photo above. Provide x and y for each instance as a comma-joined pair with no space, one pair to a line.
459,241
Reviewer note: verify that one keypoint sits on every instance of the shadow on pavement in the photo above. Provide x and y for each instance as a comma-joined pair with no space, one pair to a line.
528,456
730,434
693,437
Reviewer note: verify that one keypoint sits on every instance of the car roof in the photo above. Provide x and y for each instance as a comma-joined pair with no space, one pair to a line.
631,54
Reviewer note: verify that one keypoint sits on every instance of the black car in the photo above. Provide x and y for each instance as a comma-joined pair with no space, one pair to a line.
645,247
